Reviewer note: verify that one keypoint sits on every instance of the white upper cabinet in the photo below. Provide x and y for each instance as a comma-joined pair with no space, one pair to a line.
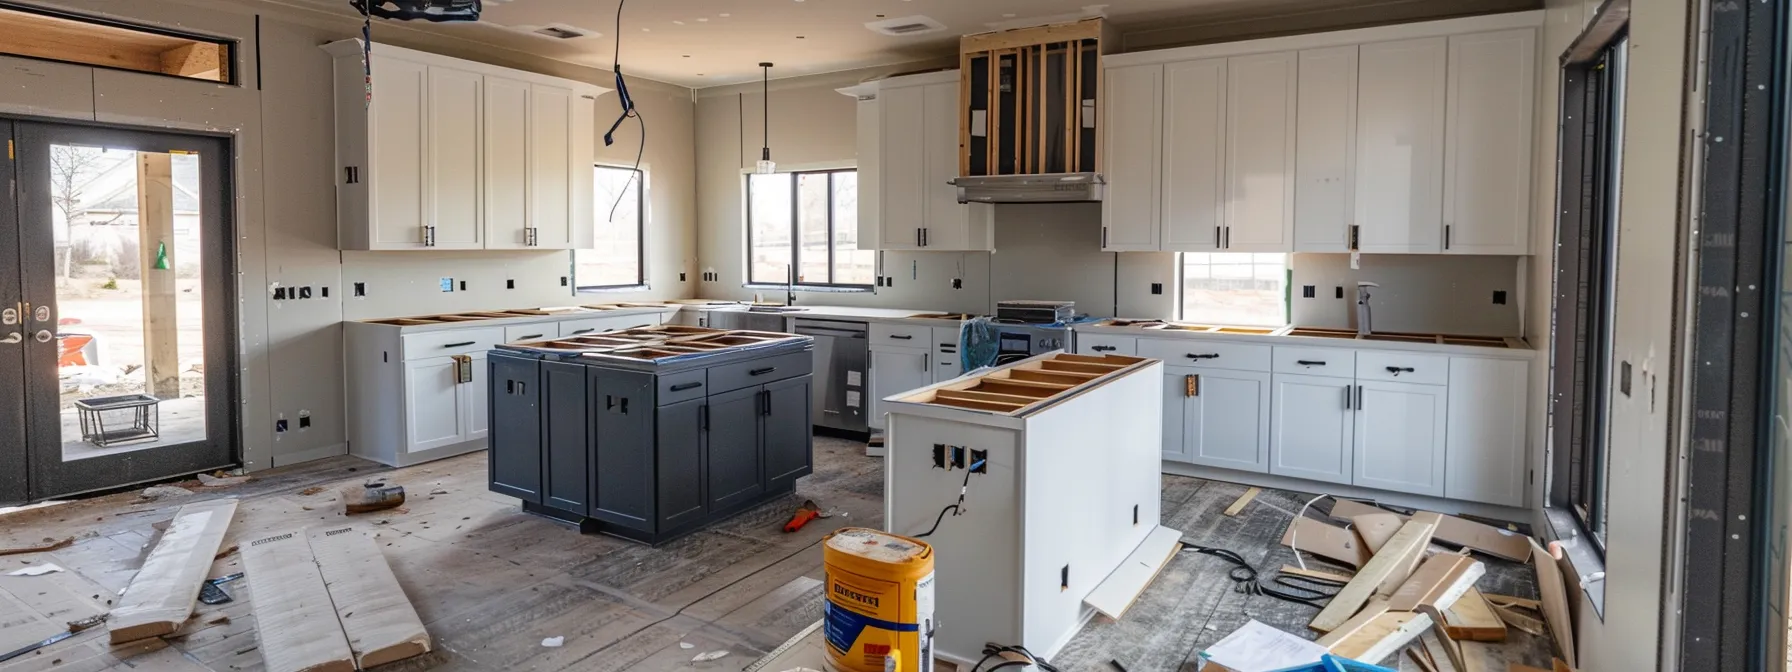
507,163
1133,164
870,143
1325,150
454,154
1194,155
917,156
1260,135
1400,146
451,204
1488,143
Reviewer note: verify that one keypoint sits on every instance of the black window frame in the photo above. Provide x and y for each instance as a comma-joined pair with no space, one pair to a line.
795,231
640,186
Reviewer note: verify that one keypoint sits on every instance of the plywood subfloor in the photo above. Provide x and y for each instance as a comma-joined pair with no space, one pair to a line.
490,582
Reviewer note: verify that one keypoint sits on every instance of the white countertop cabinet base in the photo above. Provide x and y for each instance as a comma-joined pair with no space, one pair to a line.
1050,520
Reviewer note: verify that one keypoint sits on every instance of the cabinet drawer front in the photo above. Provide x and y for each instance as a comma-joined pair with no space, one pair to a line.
760,371
1105,344
592,325
901,336
1204,354
531,332
1403,367
1333,362
443,343
684,386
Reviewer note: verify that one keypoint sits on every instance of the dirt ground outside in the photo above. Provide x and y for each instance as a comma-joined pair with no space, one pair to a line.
112,310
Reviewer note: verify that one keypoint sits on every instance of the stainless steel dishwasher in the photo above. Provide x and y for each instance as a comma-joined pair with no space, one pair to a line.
841,352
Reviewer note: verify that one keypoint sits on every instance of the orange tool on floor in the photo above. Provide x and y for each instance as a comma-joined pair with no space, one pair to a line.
805,513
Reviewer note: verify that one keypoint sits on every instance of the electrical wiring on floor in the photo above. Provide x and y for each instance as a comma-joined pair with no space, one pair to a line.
1246,580
993,651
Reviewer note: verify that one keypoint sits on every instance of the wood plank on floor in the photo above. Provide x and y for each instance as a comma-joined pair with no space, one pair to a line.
163,593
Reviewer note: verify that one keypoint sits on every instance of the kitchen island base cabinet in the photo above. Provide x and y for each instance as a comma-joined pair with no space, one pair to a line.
636,455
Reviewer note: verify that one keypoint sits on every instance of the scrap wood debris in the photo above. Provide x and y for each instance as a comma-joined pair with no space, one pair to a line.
1403,588
48,544
1243,500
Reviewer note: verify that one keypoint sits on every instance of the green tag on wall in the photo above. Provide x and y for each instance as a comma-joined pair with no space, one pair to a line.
161,256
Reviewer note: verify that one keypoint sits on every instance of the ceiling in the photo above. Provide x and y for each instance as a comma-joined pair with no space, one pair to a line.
704,43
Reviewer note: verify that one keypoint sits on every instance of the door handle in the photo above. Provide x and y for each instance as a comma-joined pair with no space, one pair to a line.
45,336
12,338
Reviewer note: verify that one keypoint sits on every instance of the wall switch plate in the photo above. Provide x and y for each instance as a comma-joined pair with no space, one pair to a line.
1499,297
1157,288
447,284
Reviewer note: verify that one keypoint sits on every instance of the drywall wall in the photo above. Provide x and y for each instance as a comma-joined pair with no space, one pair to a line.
291,350
1451,294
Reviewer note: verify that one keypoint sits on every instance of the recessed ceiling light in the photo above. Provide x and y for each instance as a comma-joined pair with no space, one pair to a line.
702,19
724,15
1007,16
687,55
678,22
646,30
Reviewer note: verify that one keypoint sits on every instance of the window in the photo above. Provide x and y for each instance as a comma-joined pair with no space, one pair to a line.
818,210
1235,288
1587,374
616,259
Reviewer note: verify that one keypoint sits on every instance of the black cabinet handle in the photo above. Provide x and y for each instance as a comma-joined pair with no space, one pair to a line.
761,372
1346,397
1396,370
1309,362
1359,397
584,331
686,386
1206,356
703,417
459,345
525,338
1104,348
903,337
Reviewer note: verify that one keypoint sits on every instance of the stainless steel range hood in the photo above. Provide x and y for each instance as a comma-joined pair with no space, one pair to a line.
1046,188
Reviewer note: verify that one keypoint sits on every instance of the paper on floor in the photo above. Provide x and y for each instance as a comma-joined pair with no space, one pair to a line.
35,570
1255,647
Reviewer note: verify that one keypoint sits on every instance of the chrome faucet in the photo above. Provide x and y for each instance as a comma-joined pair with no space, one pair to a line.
1362,308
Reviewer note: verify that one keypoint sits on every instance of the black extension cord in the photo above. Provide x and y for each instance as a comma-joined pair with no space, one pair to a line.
1246,579
991,651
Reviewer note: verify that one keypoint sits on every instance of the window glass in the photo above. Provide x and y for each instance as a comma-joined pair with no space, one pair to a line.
616,259
807,221
1235,288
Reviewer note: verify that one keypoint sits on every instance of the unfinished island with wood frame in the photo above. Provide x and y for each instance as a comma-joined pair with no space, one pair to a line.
1058,460
653,433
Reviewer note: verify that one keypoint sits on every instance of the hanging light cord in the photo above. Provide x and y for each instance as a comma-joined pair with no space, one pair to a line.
628,110
765,102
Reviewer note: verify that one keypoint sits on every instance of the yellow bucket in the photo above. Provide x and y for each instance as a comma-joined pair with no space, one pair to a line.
879,611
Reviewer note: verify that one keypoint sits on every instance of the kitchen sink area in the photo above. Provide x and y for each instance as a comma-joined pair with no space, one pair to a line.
1312,332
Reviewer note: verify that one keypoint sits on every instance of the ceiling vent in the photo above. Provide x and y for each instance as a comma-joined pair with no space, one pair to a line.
908,25
561,31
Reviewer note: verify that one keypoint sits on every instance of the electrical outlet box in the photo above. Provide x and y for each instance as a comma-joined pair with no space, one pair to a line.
280,426
510,284
360,289
305,292
1308,292
279,293
447,284
939,456
957,457
463,285
1157,288
1339,293
1499,297
980,460
304,420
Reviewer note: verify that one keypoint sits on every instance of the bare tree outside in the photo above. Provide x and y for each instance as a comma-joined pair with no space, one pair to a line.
70,167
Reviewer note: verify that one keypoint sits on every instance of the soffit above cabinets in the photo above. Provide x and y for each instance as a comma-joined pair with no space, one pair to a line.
705,43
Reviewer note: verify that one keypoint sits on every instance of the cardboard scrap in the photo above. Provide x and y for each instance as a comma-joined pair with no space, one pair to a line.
1499,543
294,620
161,595
1376,528
378,619
1326,541
1555,602
1392,558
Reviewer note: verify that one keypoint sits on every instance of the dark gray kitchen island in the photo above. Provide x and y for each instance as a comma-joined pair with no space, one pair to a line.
650,433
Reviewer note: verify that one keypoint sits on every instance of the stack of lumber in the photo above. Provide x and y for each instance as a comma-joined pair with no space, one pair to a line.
1403,587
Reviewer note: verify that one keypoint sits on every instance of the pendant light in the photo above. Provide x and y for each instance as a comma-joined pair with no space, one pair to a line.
766,166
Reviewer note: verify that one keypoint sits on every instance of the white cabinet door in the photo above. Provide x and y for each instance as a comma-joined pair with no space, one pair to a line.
550,166
894,372
1226,423
1485,445
582,148
1399,146
432,404
1311,430
1325,150
1487,149
1176,412
870,143
506,163
1133,150
950,225
1400,437
452,198
475,414
1194,161
395,171
1260,153
904,172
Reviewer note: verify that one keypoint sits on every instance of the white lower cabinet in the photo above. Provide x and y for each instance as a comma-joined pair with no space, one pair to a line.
1400,437
1484,448
946,364
894,371
439,409
1106,344
1313,435
1222,418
